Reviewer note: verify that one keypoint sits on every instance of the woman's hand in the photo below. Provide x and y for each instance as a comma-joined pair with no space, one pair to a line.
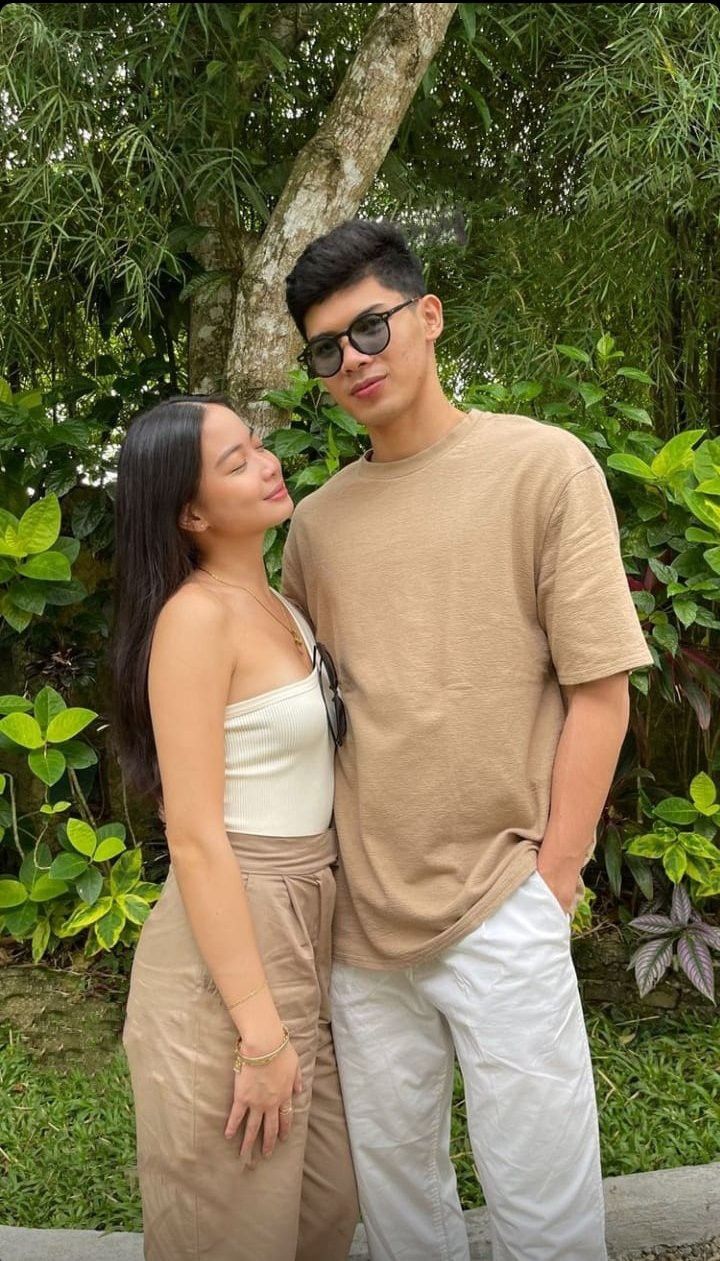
263,1098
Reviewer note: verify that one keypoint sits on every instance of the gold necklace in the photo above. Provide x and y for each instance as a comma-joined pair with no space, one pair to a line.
296,636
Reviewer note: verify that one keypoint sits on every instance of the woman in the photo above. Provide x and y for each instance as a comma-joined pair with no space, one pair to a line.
221,716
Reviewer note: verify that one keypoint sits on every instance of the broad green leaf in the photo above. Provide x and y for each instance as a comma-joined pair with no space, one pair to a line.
11,704
590,394
638,415
109,928
712,558
22,729
675,862
634,374
572,352
126,871
48,566
68,866
89,885
648,846
48,703
685,610
6,394
109,848
56,807
709,487
68,723
632,465
695,535
703,792
676,810
21,920
136,909
145,889
605,346
667,637
18,618
81,836
87,915
2,783
12,892
47,764
27,596
10,544
79,755
46,888
612,848
40,939
40,526
677,453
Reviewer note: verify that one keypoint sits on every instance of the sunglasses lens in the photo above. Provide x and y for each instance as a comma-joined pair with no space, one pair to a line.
370,334
324,357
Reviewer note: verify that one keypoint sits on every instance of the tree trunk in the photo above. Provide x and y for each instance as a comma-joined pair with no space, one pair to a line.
326,185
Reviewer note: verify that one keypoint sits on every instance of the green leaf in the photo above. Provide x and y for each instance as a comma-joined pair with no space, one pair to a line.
21,920
40,526
590,394
644,602
89,885
700,846
712,558
28,596
56,808
46,888
48,566
632,465
79,755
136,909
40,939
108,848
676,454
289,442
109,928
87,915
48,703
650,845
81,837
675,810
47,764
675,862
667,637
22,730
126,871
685,610
18,618
605,346
666,573
68,866
711,486
572,352
634,374
613,859
2,783
637,415
67,724
12,892
6,395
12,704
703,792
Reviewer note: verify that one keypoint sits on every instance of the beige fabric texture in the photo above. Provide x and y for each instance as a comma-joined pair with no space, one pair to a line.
456,590
301,1204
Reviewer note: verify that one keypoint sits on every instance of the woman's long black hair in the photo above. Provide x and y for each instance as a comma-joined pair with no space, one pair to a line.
158,474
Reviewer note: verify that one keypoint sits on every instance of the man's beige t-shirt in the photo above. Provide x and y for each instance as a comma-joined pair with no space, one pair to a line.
456,590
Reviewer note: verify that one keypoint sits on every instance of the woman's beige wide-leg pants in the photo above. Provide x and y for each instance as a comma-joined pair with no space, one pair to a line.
301,1203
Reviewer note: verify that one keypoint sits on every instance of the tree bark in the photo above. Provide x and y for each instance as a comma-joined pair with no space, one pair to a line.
330,176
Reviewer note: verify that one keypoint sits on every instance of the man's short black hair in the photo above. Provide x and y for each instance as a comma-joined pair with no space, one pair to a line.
353,250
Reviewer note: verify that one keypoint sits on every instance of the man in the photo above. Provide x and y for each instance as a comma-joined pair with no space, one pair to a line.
466,576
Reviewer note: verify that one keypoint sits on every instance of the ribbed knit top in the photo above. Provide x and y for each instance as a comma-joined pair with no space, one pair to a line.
279,757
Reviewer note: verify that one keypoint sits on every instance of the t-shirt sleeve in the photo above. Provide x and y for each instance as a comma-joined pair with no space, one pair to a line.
583,596
292,582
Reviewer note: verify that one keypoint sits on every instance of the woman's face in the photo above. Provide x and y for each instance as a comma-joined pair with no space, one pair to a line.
241,490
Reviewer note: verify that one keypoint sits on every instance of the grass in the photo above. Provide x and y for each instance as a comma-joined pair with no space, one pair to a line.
67,1138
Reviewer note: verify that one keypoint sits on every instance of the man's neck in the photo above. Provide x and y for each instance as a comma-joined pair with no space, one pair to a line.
429,420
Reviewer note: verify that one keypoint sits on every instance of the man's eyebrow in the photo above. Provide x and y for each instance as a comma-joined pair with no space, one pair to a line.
366,311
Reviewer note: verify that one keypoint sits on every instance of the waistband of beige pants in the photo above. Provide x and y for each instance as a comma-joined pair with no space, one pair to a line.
284,855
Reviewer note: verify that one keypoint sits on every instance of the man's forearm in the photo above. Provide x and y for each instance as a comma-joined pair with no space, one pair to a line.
585,762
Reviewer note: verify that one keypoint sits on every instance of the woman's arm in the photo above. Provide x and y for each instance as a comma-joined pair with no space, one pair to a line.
189,673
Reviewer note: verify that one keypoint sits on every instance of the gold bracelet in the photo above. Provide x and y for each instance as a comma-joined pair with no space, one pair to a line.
255,1061
247,996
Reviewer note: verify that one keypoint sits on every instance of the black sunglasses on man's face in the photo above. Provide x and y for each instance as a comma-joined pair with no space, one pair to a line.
368,333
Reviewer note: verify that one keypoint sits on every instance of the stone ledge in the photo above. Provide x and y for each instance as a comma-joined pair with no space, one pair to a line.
668,1208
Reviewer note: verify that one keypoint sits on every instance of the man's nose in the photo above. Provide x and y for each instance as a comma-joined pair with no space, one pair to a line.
352,357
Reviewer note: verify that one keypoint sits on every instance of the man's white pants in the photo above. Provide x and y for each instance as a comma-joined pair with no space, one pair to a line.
506,999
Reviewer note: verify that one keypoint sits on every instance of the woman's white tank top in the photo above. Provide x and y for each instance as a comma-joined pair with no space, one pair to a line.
279,757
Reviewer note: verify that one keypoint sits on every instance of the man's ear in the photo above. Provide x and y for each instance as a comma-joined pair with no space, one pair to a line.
432,315
191,520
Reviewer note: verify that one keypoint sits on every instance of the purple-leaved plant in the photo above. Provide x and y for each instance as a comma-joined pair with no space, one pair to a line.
695,939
